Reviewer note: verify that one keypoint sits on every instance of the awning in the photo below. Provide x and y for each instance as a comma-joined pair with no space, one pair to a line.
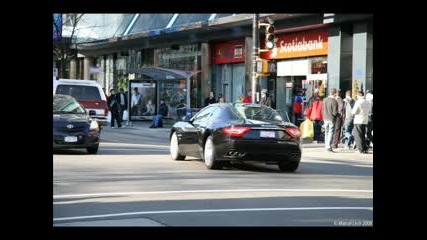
158,73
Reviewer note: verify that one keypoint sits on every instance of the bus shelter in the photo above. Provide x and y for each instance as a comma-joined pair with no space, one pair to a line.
153,84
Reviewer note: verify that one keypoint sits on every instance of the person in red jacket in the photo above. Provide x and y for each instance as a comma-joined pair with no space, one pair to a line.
315,103
248,98
297,106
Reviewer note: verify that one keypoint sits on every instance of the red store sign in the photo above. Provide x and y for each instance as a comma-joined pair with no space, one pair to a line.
302,44
230,52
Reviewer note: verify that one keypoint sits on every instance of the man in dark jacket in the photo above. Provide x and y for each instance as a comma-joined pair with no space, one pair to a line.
338,120
163,108
329,112
123,100
210,99
113,105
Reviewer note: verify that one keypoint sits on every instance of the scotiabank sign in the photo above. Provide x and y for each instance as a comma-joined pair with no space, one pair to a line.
230,52
298,45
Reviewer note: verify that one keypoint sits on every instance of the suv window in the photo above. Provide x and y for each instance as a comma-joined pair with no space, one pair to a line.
79,92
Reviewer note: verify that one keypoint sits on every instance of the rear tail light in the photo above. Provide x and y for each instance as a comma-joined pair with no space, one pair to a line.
234,131
106,112
293,132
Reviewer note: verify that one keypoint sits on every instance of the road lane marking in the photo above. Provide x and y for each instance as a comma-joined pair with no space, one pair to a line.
134,144
209,211
131,149
205,191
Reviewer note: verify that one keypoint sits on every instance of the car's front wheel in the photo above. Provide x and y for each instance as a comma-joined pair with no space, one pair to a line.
209,155
93,149
174,148
287,166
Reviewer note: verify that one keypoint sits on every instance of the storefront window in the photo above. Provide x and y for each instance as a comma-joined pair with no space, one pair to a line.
186,58
319,65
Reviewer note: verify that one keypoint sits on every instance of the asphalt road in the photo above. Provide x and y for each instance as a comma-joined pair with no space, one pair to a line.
132,181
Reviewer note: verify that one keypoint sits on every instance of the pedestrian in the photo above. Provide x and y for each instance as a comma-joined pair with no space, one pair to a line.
265,99
330,113
114,106
221,99
248,98
210,99
370,126
123,102
361,110
348,120
163,109
297,107
338,120
315,114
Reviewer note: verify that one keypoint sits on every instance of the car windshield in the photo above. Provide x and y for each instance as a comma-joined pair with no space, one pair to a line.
66,105
259,112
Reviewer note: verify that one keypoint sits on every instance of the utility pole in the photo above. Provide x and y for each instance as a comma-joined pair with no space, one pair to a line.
255,54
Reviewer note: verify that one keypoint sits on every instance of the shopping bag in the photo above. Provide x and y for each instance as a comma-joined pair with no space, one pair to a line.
109,117
307,129
125,115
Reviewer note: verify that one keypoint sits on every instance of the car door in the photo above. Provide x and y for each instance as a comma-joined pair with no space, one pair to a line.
199,123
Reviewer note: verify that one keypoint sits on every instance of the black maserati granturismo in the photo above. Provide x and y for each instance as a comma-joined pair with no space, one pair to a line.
225,132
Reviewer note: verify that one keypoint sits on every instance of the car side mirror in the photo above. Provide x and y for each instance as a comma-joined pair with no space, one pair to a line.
92,112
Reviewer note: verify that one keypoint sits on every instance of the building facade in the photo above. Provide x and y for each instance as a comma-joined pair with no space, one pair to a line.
312,51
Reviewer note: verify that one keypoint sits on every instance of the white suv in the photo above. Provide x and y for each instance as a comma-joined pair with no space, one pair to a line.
88,93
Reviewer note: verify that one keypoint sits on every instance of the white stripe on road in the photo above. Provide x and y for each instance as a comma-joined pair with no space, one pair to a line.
130,149
211,210
134,144
206,191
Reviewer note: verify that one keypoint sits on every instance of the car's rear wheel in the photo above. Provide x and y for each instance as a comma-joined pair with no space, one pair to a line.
287,166
174,148
93,149
209,155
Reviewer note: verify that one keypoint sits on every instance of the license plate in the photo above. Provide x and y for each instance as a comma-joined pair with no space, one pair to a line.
267,134
70,139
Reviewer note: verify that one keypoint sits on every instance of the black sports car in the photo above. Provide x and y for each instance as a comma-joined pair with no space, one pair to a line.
72,127
224,132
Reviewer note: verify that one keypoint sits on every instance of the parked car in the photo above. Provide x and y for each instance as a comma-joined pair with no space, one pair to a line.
72,127
224,132
89,94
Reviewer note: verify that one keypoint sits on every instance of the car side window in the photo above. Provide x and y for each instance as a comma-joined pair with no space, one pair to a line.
203,116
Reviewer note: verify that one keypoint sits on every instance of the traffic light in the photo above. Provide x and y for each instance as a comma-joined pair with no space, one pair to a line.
269,36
